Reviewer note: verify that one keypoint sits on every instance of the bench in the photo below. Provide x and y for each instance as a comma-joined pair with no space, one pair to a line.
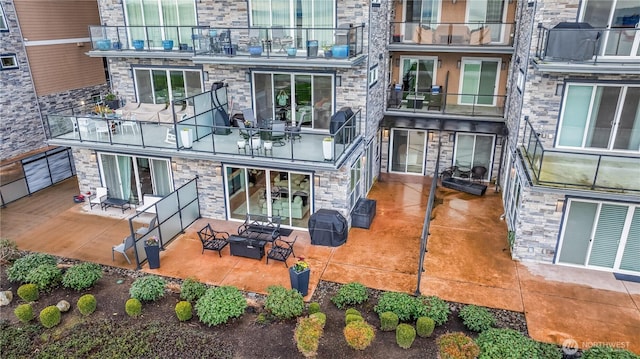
464,186
259,226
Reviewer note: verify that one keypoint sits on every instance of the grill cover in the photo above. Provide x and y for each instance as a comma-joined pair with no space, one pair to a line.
328,227
572,41
343,115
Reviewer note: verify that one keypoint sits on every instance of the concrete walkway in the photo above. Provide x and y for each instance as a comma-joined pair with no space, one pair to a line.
468,259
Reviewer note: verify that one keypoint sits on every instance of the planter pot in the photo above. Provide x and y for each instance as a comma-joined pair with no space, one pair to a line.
396,38
312,48
103,44
328,53
183,47
112,104
167,45
213,33
300,281
117,45
255,50
229,50
138,44
340,51
327,150
153,256
186,137
292,51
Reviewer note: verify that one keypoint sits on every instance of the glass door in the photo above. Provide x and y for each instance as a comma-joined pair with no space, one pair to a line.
420,12
418,74
479,82
621,19
474,150
408,151
129,177
488,13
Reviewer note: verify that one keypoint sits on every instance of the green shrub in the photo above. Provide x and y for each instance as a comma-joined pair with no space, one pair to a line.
432,307
133,307
262,319
81,276
602,352
28,292
549,351
314,307
22,266
87,304
476,318
148,288
352,293
220,304
50,316
425,326
352,318
504,343
8,250
191,290
388,321
457,346
284,303
320,316
184,311
352,311
402,304
405,335
307,335
45,276
359,334
24,312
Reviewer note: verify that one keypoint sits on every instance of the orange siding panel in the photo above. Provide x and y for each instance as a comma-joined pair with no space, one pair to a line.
59,19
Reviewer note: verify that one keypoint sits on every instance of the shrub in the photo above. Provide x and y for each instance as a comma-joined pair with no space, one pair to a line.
314,307
184,311
350,294
28,292
24,312
599,352
45,276
425,326
457,346
81,276
359,334
220,304
352,311
320,316
284,303
504,343
307,335
191,290
388,321
22,266
148,288
434,308
402,304
87,304
476,318
50,316
8,250
262,319
352,318
405,335
133,307
550,351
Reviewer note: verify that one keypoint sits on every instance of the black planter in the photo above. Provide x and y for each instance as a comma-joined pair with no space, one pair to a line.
153,256
300,280
112,104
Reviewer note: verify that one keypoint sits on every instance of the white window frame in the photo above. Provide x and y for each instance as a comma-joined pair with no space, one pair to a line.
4,20
13,57
468,60
354,186
167,71
434,80
373,75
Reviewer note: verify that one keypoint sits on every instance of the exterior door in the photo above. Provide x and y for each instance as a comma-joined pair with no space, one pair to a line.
129,177
420,12
620,18
487,13
408,148
479,82
473,150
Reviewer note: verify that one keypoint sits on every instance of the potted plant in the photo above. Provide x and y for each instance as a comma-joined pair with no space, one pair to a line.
138,44
292,51
254,48
299,275
327,148
327,48
111,100
167,45
152,249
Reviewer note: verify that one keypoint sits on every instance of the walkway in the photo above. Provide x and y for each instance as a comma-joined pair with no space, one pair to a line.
468,258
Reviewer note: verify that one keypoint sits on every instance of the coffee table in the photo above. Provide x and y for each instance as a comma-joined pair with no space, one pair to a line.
246,247
116,202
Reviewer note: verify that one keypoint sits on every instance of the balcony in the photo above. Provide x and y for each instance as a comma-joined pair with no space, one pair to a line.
580,48
580,170
452,37
455,104
296,47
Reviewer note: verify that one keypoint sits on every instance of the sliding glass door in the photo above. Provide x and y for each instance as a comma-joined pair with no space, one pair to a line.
165,85
157,20
129,177
420,13
474,150
620,17
490,13
408,151
479,82
418,74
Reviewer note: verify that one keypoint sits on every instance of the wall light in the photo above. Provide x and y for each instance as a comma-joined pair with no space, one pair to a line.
206,76
430,136
459,64
93,157
174,166
385,133
218,171
559,89
247,76
131,73
338,80
316,181
82,102
452,137
439,63
397,62
504,65
560,205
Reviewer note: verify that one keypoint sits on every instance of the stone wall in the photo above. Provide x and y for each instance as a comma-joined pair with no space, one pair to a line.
87,169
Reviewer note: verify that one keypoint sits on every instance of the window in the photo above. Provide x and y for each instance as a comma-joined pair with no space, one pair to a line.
479,81
373,75
128,177
161,19
473,150
520,80
294,97
621,19
158,85
8,61
489,13
600,116
3,21
354,185
418,74
408,150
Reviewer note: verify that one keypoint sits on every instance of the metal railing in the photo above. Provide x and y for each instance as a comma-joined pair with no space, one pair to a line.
452,34
558,168
446,103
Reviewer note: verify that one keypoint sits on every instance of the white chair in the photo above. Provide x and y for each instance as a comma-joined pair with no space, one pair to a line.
144,230
102,128
98,197
132,125
84,126
127,243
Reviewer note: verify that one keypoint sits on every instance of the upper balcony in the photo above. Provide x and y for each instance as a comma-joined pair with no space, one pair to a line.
452,104
294,47
474,37
580,170
579,48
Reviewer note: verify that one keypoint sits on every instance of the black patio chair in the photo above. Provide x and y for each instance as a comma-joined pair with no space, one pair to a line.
478,173
213,240
281,250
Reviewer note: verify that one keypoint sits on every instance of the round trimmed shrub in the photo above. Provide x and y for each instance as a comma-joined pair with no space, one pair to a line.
191,290
425,326
353,318
405,335
50,316
220,304
82,276
284,303
22,266
314,307
24,312
402,304
133,307
28,292
459,346
352,293
45,276
184,311
320,316
148,288
87,304
388,321
359,334
476,318
352,311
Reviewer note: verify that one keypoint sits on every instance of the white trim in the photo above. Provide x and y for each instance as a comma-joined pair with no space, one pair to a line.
470,60
56,41
434,78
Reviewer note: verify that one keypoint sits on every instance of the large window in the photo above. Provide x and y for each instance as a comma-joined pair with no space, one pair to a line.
408,151
603,116
418,74
474,150
157,20
3,21
479,81
354,185
621,18
487,12
157,85
129,177
297,97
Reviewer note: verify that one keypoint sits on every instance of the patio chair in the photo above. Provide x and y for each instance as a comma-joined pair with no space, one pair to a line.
102,128
478,173
281,250
99,196
245,132
248,116
127,243
278,133
280,38
295,132
144,230
213,240
170,137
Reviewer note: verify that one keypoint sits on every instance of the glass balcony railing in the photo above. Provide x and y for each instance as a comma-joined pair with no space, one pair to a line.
452,34
333,43
569,169
446,103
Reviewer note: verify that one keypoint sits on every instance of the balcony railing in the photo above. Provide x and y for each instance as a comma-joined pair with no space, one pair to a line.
569,169
446,103
452,34
338,43
587,45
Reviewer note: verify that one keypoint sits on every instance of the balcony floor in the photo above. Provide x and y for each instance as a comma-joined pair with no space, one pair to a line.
452,109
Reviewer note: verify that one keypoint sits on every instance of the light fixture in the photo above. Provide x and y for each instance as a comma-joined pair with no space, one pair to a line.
452,137
338,80
430,136
206,75
174,166
82,102
93,157
397,62
218,171
439,63
385,133
559,89
131,73
560,205
247,76
504,65
316,181
454,1
459,64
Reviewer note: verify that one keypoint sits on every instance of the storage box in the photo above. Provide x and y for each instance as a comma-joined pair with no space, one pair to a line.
363,213
340,51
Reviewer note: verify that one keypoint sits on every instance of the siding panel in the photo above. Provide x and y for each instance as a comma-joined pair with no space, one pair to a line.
59,19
